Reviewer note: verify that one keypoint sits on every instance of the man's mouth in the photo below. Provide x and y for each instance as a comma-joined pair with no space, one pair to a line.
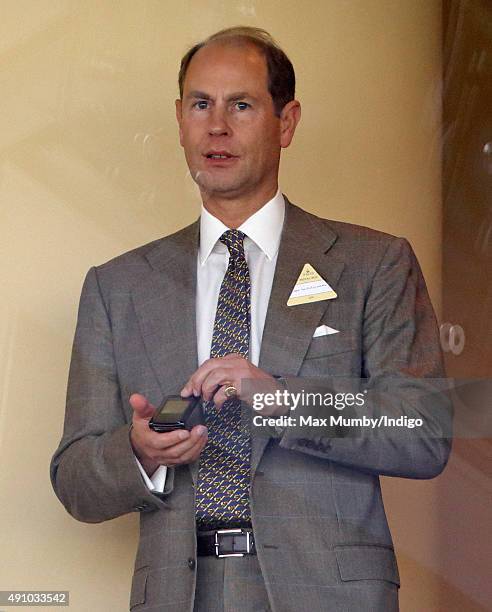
219,155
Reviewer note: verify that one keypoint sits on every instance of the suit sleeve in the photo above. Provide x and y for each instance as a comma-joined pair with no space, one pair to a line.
93,471
403,378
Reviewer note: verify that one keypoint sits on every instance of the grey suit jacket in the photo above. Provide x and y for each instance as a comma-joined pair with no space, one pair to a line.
320,527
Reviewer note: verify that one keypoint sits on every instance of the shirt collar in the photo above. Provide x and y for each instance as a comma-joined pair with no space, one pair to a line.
264,228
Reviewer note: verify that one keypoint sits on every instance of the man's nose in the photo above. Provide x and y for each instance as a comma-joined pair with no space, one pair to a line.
219,124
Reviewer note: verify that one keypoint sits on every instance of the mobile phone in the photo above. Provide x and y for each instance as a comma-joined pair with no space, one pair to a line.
177,412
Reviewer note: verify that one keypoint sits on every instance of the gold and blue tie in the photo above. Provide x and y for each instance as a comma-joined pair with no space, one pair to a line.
222,496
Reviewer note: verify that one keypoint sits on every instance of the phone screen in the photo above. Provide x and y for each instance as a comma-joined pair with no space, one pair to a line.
172,410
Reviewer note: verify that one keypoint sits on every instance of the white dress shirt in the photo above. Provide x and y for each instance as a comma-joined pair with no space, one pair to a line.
263,231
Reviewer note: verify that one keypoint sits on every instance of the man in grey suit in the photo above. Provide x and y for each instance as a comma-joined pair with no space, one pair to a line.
313,533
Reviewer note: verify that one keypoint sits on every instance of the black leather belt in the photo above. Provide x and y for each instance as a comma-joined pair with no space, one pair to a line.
226,543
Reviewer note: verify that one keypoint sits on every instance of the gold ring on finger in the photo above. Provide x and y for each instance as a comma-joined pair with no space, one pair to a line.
230,390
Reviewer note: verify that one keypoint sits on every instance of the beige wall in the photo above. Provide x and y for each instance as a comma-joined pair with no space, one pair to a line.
90,166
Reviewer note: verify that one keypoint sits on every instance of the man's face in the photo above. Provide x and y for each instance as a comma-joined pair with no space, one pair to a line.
227,124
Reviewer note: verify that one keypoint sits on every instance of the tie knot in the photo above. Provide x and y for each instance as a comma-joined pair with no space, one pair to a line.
233,239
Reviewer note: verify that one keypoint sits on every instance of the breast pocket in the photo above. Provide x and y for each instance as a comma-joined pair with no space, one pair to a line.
332,355
331,344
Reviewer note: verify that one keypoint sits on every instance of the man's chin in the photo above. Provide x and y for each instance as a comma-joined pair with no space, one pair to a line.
211,185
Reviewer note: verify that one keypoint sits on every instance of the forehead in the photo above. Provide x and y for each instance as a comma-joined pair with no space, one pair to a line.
219,66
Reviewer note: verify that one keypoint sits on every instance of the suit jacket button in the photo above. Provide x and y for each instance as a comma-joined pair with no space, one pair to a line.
191,563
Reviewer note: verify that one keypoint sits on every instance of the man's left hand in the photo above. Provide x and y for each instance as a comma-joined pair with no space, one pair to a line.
214,375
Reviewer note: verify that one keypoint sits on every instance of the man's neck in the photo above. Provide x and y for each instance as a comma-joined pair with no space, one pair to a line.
233,212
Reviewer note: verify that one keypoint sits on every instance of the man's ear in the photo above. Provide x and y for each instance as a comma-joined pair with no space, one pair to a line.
179,108
289,118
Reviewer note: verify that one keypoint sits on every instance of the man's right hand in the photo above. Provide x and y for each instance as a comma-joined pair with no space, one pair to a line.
153,449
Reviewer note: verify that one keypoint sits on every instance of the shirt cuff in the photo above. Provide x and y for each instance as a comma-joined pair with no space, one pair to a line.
157,481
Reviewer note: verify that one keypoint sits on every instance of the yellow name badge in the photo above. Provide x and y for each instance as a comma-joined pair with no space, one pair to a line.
310,287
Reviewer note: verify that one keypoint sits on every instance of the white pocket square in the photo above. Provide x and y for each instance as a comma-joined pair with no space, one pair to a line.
324,330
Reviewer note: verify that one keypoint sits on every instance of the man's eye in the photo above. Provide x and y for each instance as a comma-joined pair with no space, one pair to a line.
242,105
201,104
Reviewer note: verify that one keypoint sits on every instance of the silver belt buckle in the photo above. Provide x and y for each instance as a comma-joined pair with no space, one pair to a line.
231,531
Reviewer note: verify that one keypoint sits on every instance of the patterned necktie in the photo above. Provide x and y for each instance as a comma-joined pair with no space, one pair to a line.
222,495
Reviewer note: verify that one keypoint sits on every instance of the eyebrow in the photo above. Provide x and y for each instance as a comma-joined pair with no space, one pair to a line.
237,95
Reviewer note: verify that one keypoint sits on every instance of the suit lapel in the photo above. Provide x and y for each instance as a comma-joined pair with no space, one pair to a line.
289,330
165,307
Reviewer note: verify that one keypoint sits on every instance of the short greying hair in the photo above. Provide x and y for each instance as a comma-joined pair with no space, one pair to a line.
281,76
